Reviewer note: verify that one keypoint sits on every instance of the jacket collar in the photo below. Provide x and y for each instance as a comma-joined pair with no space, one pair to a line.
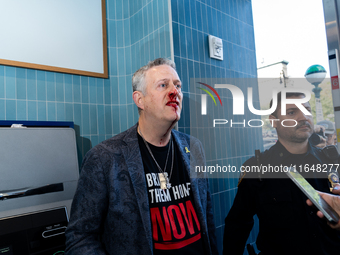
131,137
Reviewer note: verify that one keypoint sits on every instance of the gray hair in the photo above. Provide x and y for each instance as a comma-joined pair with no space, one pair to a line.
138,78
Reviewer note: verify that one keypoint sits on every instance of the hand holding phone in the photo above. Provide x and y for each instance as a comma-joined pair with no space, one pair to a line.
330,214
333,201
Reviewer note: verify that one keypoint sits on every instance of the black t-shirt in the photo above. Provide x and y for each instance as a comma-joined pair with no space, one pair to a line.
175,225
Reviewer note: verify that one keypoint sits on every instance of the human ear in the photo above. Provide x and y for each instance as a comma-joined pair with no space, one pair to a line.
138,99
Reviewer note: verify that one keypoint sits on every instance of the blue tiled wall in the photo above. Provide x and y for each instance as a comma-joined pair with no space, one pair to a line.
137,31
230,20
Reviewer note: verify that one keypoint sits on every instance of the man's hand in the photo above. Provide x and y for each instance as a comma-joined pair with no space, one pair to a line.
318,128
333,201
322,144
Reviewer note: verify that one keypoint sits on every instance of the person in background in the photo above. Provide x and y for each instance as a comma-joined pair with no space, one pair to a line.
318,138
135,194
287,225
331,139
329,131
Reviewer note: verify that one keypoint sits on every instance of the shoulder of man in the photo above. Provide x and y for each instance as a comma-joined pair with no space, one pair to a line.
265,155
115,143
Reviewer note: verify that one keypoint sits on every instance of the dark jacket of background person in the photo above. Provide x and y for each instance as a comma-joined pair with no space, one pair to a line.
286,224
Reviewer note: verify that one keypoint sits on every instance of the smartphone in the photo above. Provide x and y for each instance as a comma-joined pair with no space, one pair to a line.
313,195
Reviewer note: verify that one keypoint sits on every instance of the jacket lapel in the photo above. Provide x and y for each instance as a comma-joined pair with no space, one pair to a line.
134,163
189,159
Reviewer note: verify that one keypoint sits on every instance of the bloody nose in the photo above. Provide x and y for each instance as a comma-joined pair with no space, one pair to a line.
173,94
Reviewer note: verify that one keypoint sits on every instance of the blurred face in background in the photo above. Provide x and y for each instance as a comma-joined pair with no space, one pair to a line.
331,139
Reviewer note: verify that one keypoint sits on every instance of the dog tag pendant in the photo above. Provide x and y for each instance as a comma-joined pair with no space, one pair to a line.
163,180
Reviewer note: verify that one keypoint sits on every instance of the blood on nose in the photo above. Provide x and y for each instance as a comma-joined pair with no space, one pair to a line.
173,94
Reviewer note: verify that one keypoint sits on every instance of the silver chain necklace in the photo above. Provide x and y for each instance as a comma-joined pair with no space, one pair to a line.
163,176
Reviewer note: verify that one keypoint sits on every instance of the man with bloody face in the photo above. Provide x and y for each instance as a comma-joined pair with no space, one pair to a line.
287,225
135,194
